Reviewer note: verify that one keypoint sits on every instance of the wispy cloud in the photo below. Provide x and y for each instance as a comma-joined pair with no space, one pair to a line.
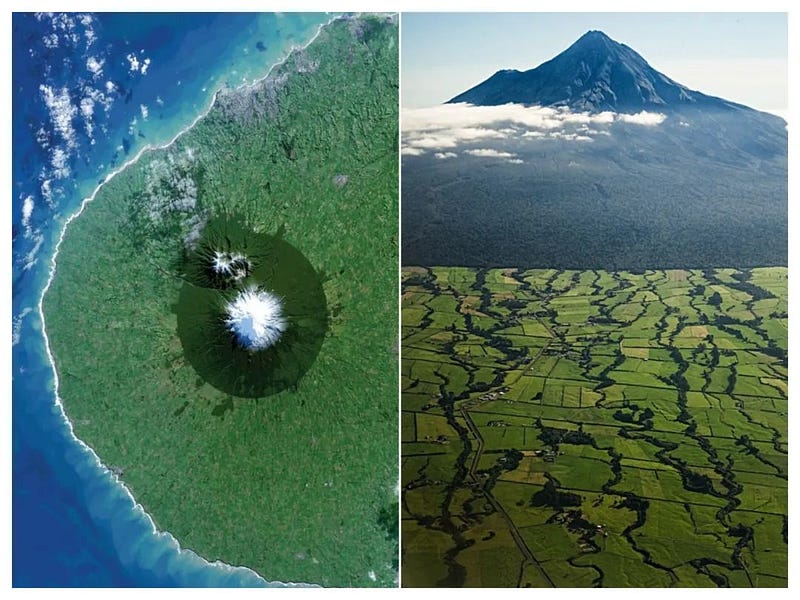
16,331
27,211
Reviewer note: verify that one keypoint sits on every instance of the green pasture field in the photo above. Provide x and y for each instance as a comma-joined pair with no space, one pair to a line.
610,429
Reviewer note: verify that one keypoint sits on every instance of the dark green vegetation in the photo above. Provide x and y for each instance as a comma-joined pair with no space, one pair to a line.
634,200
208,345
594,428
298,485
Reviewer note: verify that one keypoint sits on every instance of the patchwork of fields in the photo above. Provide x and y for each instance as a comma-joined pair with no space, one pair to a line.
592,428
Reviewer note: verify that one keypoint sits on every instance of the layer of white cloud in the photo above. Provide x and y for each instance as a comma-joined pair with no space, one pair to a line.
489,153
643,118
444,155
410,151
448,126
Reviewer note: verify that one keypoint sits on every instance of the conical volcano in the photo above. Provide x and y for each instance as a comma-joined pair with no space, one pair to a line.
594,74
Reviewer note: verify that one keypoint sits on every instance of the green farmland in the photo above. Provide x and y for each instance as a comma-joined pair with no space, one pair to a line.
594,429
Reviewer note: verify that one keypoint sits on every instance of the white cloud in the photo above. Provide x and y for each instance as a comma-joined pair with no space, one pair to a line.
99,97
30,258
43,138
462,115
515,161
59,160
47,192
17,326
408,151
133,63
449,125
62,112
643,118
95,66
443,155
50,40
27,211
489,153
145,111
534,134
87,110
137,67
434,141
560,135
88,32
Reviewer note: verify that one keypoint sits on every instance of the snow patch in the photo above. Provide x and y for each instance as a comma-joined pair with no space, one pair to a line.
256,318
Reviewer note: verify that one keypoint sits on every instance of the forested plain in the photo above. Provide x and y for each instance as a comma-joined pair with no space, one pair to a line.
667,197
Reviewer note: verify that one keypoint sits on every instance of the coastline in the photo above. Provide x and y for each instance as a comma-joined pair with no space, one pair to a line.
138,508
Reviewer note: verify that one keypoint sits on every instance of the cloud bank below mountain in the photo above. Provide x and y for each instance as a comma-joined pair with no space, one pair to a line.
448,126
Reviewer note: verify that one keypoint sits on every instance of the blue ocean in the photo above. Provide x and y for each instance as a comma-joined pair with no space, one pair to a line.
89,92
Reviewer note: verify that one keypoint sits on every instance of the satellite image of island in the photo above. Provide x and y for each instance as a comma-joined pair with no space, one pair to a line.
205,300
594,300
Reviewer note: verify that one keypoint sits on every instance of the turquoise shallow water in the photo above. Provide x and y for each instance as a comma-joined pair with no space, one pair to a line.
77,115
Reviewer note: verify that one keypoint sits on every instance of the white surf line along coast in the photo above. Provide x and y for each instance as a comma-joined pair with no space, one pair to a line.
171,540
